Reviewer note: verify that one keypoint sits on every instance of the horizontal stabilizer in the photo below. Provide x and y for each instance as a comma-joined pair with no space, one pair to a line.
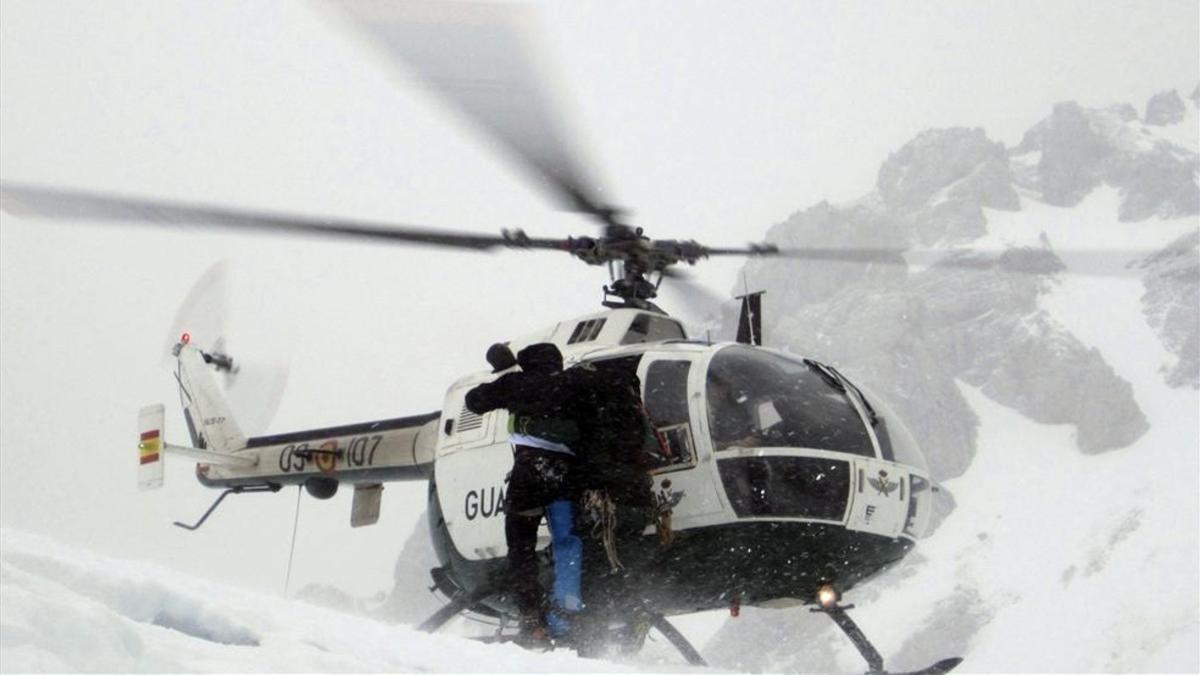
150,442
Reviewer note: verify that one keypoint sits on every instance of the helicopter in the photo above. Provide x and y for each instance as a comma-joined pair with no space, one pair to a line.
822,488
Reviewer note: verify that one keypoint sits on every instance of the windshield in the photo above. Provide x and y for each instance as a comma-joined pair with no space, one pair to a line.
760,398
896,442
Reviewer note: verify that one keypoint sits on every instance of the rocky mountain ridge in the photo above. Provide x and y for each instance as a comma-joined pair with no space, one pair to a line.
912,333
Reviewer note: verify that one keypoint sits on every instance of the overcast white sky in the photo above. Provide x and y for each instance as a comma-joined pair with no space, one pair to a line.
707,120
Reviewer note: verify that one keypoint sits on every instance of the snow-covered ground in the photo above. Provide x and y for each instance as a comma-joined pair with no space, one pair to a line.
66,609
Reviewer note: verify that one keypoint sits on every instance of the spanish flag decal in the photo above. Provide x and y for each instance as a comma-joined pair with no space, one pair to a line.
150,446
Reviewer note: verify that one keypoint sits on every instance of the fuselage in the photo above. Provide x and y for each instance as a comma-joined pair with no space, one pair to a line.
781,475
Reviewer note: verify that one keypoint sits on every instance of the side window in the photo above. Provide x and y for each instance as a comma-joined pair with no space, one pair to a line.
667,405
586,331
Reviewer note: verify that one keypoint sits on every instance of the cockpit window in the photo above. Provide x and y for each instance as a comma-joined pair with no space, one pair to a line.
759,398
652,328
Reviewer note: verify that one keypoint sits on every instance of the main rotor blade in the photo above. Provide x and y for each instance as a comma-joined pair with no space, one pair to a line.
1023,260
80,205
697,300
477,57
858,255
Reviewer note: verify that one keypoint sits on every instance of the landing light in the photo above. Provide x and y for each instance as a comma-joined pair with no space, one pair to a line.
827,596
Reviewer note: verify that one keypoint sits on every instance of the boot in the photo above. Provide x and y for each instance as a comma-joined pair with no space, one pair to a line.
533,634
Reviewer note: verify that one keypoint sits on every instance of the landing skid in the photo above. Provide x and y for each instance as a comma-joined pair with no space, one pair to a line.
464,601
943,666
460,602
868,651
673,636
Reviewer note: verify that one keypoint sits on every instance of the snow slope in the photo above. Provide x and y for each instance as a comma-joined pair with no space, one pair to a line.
1054,561
65,609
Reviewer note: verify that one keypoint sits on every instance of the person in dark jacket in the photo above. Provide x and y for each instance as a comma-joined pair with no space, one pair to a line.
615,435
613,484
543,432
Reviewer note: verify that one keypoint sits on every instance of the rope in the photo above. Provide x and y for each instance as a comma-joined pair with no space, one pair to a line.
604,512
287,580
662,519
662,525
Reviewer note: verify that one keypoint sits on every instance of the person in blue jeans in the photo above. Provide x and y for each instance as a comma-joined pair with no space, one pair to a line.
541,400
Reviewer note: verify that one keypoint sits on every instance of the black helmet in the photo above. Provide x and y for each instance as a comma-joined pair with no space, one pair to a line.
500,357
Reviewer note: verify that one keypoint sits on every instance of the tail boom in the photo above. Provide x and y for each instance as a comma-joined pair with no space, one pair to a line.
370,452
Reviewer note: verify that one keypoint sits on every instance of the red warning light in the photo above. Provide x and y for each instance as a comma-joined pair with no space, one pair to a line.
185,338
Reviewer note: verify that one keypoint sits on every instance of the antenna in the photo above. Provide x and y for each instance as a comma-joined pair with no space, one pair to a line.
750,320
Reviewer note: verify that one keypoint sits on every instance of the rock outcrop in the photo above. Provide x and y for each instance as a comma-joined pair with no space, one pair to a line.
910,334
1079,149
1072,154
1165,108
938,184
1172,306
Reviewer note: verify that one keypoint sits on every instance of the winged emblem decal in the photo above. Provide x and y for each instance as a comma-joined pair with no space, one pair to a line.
882,484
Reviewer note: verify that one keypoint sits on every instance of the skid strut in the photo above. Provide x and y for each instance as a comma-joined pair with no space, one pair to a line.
673,635
269,487
459,602
852,631
869,653
463,601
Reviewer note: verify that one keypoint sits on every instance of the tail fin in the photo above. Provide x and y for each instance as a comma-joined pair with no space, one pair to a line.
208,415
150,447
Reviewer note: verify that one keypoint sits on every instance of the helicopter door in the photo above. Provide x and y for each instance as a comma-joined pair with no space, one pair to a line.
671,391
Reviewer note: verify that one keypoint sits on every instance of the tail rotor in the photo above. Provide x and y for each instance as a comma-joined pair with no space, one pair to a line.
252,379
